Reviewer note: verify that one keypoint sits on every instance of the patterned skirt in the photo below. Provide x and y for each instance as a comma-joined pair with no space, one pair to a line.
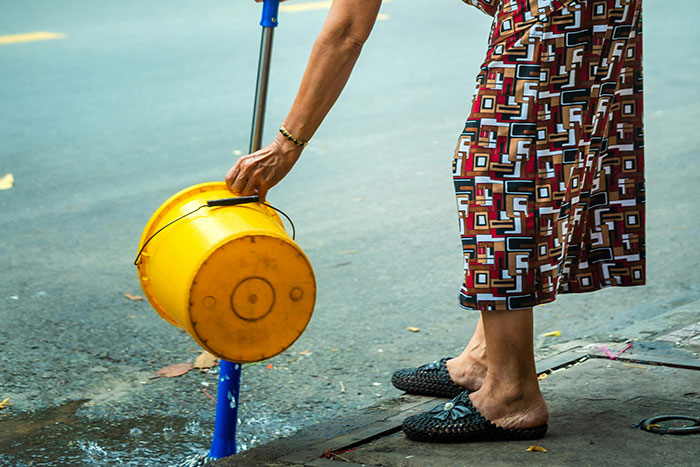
549,170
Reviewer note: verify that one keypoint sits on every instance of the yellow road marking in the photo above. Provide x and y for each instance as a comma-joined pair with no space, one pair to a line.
309,6
30,37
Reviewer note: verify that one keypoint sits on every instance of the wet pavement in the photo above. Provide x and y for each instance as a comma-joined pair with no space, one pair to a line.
57,436
138,101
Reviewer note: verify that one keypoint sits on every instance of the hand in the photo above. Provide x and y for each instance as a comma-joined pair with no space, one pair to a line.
258,172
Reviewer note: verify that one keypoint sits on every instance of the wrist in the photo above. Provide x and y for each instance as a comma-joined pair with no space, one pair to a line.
288,147
291,137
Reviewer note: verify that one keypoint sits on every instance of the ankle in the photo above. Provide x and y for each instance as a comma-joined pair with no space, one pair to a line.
467,373
476,352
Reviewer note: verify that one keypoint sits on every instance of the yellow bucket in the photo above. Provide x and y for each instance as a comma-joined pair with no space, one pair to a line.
230,276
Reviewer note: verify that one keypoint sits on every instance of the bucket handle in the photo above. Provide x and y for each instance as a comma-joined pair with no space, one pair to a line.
218,203
250,199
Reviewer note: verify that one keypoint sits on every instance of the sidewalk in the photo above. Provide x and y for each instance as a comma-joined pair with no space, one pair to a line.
594,402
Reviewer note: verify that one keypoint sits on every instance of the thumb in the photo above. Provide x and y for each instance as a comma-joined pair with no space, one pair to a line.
262,193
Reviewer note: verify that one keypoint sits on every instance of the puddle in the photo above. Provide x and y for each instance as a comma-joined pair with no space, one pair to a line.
58,437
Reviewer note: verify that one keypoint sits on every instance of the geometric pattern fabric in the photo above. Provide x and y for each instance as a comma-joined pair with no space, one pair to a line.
549,170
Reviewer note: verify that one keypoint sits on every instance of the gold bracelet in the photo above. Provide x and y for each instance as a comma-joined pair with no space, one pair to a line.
291,138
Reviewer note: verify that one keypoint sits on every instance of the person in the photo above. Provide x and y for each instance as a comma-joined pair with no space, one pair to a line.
548,174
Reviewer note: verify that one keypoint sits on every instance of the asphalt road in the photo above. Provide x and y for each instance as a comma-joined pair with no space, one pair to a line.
142,99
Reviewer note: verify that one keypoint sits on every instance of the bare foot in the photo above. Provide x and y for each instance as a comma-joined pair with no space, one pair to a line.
510,406
467,370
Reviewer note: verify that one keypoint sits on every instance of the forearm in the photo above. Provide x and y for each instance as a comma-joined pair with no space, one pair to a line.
332,59
333,56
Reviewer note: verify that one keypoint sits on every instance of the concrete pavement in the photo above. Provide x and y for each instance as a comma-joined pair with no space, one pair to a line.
595,404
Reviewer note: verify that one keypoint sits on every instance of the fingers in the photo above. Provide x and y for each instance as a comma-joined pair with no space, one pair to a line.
238,176
231,176
250,184
243,178
260,171
239,183
262,192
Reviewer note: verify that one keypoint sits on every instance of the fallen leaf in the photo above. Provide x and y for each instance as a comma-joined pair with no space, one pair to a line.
536,449
204,360
542,376
553,334
5,403
171,371
7,182
306,353
413,329
134,298
269,366
334,350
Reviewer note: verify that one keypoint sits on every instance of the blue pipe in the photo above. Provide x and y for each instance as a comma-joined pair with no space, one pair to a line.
224,442
269,13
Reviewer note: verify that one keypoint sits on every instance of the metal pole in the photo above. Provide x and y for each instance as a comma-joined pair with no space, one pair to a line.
256,133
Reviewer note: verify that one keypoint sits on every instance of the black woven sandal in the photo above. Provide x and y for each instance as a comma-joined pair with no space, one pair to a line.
458,421
432,379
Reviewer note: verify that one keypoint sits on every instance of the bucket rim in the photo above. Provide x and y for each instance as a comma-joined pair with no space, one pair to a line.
164,208
154,223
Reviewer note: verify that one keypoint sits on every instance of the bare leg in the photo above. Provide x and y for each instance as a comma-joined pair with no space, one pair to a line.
510,394
469,369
